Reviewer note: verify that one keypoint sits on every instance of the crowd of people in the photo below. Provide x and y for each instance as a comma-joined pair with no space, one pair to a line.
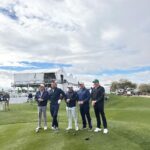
82,97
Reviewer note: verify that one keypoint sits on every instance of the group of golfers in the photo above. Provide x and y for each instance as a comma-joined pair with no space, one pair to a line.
82,97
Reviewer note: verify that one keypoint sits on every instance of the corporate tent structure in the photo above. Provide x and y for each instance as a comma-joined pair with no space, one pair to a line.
35,78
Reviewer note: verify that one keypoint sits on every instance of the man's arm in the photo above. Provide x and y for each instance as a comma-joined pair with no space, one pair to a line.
87,96
74,97
49,95
101,94
67,100
92,95
36,97
63,95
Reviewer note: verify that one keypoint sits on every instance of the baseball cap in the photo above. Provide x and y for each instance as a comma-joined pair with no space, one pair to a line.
70,86
96,81
42,85
81,82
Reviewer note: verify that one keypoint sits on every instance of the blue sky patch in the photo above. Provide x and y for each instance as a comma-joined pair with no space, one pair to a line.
34,65
9,12
125,71
44,65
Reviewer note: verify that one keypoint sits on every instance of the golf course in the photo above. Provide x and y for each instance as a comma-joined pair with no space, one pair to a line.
128,124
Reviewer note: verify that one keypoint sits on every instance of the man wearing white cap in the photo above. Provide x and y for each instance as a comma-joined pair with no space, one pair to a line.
71,100
41,97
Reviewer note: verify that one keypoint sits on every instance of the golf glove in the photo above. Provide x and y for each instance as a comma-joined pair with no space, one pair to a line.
59,101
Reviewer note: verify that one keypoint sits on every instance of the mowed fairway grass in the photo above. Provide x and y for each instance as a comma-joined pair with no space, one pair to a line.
128,122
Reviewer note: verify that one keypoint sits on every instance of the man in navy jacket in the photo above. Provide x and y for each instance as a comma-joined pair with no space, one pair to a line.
55,96
83,101
42,97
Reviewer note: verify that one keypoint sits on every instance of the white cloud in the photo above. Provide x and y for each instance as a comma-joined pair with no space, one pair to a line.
91,35
6,79
110,34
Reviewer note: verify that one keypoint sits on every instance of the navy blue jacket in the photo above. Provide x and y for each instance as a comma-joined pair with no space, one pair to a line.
98,94
44,96
84,95
72,95
55,95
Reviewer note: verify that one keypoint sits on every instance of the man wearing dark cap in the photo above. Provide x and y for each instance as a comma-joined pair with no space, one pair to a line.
97,96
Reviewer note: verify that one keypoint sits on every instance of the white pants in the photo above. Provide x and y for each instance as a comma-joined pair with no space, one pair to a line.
71,113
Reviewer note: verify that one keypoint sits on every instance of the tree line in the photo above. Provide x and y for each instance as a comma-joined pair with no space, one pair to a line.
126,84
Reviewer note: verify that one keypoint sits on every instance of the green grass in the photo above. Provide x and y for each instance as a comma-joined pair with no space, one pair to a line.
128,121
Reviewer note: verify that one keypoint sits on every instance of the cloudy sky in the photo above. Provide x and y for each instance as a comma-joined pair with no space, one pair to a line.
104,39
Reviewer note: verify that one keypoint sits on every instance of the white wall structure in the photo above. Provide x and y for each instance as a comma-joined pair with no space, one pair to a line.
28,78
34,78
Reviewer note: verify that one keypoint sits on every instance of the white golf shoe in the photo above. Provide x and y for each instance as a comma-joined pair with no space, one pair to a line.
68,128
37,129
97,130
53,128
77,129
45,128
105,131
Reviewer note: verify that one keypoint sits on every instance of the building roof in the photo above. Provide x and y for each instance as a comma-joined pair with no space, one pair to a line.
41,71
